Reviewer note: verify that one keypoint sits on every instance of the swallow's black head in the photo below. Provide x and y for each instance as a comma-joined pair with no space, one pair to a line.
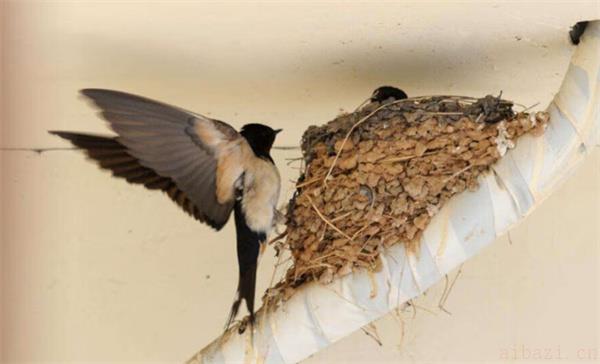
386,92
260,137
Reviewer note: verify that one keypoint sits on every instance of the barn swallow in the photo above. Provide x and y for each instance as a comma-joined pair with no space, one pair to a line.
204,165
383,93
577,31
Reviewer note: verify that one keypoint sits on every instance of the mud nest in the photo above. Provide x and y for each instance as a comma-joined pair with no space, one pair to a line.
376,177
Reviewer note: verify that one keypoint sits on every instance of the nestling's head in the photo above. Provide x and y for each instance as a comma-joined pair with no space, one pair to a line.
260,137
386,92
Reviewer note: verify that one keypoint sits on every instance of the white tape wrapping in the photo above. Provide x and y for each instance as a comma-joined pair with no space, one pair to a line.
319,315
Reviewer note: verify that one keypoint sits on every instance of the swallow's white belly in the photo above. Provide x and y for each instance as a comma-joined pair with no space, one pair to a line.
261,193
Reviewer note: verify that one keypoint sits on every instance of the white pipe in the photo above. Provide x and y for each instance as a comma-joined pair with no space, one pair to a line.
317,315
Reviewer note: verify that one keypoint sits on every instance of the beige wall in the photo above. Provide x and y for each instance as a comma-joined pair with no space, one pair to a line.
96,270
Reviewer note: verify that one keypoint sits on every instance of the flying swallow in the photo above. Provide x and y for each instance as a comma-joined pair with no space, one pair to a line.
204,165
383,93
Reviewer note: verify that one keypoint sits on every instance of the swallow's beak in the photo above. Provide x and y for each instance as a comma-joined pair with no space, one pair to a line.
277,131
374,95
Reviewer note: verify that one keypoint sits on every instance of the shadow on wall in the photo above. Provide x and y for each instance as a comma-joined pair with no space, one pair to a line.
348,67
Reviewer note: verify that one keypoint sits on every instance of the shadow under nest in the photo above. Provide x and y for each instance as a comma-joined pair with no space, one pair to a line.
377,176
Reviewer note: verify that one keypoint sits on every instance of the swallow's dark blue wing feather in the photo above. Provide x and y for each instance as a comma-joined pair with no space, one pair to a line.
158,143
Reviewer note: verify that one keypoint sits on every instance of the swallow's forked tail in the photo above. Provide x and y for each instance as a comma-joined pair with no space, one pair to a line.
248,244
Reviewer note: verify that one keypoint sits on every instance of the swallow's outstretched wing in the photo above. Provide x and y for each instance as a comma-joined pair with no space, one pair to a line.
194,159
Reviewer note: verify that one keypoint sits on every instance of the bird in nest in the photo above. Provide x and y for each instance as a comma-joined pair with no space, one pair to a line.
385,93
